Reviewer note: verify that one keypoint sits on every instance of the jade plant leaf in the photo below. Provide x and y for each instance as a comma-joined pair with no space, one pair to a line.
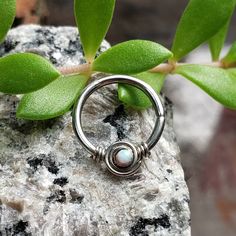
53,100
93,19
218,83
216,43
8,11
25,72
200,21
131,57
230,58
135,97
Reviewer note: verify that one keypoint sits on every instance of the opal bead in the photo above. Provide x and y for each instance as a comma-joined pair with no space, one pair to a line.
124,158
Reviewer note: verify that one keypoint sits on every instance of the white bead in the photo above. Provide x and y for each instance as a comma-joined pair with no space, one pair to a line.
124,158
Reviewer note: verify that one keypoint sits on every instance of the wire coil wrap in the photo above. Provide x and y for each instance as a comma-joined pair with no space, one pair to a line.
99,154
143,150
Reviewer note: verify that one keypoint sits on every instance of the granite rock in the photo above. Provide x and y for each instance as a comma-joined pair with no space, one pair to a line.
50,186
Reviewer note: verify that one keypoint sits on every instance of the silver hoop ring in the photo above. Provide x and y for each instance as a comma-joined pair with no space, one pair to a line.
121,158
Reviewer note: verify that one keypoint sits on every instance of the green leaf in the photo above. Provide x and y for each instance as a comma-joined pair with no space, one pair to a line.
200,21
216,43
25,72
218,83
53,100
230,58
135,97
93,19
8,11
131,57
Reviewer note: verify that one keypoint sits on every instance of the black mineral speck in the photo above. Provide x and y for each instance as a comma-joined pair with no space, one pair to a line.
168,106
139,229
175,206
176,187
186,199
51,166
57,196
35,163
118,115
76,197
28,127
61,181
73,47
9,45
151,196
18,229
43,160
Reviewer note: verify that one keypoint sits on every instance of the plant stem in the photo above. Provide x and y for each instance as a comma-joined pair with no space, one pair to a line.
165,68
77,69
168,68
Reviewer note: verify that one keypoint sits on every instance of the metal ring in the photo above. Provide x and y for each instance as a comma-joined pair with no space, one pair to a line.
145,146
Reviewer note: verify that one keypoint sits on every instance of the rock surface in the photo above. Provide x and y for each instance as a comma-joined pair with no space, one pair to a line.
50,186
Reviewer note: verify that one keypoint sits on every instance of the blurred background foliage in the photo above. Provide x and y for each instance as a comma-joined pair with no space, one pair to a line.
155,20
205,130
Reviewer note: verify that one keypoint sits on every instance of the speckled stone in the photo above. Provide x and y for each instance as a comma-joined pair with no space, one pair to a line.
50,186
